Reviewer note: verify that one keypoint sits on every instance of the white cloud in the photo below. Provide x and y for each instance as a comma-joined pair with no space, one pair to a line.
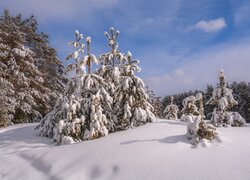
202,69
209,26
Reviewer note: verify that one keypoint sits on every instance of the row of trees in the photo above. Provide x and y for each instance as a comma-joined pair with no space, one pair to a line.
241,93
30,73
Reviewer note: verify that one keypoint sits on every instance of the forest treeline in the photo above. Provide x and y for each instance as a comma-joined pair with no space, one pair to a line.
241,93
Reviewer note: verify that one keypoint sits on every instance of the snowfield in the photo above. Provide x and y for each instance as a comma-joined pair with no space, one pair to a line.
157,150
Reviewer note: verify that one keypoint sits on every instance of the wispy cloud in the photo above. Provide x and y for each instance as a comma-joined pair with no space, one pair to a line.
209,26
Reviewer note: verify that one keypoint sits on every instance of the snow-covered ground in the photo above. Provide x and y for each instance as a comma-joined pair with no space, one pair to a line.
158,150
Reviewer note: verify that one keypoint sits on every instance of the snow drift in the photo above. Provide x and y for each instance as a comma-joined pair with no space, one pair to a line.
158,150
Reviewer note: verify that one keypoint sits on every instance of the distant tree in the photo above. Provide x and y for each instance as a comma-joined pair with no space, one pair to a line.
171,110
240,92
208,107
178,98
156,102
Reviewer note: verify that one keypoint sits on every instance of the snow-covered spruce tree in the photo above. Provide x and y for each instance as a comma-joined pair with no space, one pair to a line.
199,129
222,97
190,110
171,110
130,106
78,115
25,93
111,63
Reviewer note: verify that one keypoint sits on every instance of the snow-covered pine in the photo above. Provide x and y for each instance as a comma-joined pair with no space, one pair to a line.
131,102
223,98
109,70
30,72
171,110
131,105
189,110
78,115
199,129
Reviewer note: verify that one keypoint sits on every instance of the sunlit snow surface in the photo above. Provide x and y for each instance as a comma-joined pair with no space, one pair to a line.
158,150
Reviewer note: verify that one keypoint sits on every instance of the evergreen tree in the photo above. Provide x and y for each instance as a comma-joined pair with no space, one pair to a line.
199,129
78,115
171,110
111,63
130,100
179,99
208,107
130,106
25,94
223,98
156,102
189,110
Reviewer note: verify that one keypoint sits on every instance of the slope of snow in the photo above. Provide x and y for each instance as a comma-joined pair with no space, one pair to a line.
158,150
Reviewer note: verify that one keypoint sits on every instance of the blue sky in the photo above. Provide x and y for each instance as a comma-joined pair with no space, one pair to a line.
181,44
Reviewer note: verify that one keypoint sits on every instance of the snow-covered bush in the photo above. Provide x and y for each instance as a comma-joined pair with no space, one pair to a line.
222,97
171,110
199,129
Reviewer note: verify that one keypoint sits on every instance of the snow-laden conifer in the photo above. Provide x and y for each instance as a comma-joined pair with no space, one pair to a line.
131,102
30,73
198,129
109,70
223,98
130,106
189,110
78,115
171,110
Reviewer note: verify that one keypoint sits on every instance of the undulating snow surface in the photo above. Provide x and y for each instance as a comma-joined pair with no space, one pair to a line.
158,150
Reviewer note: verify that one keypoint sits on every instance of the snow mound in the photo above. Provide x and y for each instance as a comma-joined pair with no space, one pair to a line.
159,150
